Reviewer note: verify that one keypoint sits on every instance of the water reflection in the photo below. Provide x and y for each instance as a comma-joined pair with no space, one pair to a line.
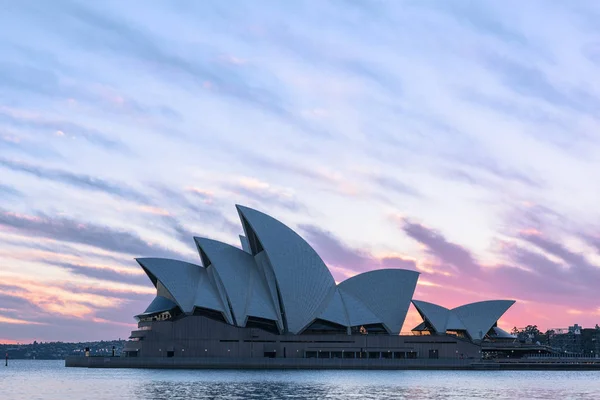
291,390
50,380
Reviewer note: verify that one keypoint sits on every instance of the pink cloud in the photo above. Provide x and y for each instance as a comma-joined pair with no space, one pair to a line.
153,210
548,280
9,320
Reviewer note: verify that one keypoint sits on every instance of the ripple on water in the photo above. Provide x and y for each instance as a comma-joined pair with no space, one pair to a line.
50,380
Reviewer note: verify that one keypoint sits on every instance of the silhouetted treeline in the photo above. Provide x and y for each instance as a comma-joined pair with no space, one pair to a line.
59,350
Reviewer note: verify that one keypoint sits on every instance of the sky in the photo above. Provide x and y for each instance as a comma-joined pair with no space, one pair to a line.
456,138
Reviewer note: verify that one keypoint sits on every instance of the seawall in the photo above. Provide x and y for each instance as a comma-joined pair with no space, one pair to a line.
262,363
315,363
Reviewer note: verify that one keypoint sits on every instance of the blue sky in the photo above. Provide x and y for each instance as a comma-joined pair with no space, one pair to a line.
458,138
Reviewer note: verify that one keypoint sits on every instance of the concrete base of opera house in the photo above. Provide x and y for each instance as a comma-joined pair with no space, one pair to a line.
328,364
263,363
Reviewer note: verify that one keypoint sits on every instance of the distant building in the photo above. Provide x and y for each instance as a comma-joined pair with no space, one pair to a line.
275,297
576,340
590,341
575,329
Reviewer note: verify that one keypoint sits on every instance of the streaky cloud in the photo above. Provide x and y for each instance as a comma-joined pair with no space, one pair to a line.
467,110
50,246
35,71
20,77
438,246
77,180
593,241
578,264
531,81
351,260
109,33
74,231
479,17
107,274
264,193
28,147
493,168
72,130
193,204
332,250
9,191
390,183
460,175
269,163
530,275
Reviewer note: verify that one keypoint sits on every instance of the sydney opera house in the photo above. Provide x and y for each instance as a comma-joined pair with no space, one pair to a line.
274,297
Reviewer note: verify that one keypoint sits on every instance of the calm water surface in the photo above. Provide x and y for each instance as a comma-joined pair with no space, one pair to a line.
32,380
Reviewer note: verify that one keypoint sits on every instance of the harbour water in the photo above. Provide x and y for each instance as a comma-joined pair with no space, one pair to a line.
50,380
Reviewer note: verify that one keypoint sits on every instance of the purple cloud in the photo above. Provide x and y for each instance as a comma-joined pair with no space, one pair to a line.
335,253
70,230
437,245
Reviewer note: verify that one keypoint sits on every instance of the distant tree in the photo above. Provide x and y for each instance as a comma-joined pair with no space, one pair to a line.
515,331
532,330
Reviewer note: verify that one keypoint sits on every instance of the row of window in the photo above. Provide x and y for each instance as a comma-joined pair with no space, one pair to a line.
362,354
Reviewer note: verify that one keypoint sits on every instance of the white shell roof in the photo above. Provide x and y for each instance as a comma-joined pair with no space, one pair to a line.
221,293
279,276
245,244
454,323
239,276
303,280
475,318
501,333
159,304
358,313
479,317
260,303
269,280
436,315
385,292
161,290
335,311
187,283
